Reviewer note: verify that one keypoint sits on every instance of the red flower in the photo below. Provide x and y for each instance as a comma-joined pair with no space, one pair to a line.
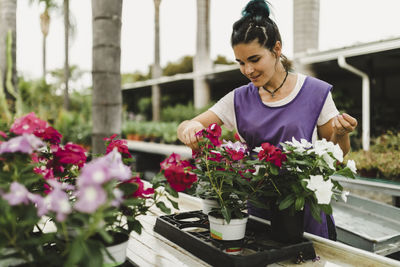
272,154
236,136
71,154
28,124
49,134
141,192
178,178
172,160
121,145
217,157
235,155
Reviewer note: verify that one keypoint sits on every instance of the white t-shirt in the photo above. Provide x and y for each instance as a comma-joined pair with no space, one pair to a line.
225,107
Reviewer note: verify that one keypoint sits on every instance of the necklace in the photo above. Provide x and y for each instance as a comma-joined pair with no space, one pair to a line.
279,87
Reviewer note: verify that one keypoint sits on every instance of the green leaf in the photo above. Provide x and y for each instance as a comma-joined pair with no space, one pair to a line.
171,191
326,208
78,249
287,202
174,203
315,211
274,169
299,203
226,214
163,207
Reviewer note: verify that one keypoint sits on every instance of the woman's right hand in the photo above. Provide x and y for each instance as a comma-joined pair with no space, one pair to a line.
187,133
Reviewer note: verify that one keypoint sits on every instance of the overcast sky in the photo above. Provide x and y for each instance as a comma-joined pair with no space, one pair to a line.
342,23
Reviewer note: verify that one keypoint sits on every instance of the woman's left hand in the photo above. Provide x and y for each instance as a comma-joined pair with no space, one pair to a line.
343,124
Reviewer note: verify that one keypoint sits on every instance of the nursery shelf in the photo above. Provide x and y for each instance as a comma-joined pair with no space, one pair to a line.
157,148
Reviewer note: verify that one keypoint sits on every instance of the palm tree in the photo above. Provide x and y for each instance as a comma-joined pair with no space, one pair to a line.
202,62
156,71
66,52
44,26
106,75
8,72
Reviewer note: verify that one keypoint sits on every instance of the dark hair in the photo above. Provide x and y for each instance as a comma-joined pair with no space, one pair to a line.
255,23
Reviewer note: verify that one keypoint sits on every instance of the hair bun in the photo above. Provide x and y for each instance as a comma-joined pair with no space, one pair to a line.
256,8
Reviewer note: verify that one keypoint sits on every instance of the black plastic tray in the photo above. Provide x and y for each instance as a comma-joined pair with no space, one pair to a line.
190,230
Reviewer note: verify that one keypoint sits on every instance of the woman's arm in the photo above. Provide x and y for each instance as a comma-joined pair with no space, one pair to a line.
337,130
187,129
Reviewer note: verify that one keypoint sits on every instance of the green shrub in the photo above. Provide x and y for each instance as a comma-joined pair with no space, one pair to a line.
382,160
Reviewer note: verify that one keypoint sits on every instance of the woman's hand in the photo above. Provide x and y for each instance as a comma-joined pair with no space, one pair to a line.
343,124
187,133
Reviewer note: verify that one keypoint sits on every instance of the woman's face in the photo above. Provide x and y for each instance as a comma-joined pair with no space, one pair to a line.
256,62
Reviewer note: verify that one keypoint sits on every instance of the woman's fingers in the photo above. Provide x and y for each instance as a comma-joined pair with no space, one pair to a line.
343,124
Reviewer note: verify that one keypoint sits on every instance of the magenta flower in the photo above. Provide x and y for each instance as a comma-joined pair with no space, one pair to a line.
3,134
18,194
26,143
89,198
172,160
27,124
141,191
178,178
271,154
71,154
121,145
49,134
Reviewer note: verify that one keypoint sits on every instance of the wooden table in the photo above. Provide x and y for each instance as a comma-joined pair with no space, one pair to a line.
152,249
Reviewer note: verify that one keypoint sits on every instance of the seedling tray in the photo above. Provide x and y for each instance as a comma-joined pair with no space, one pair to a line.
190,230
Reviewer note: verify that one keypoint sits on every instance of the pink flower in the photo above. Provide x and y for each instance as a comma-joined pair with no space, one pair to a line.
49,134
3,134
122,146
58,201
213,134
18,194
90,198
26,143
27,124
178,178
71,154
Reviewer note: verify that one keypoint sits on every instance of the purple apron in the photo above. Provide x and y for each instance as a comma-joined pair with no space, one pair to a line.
258,123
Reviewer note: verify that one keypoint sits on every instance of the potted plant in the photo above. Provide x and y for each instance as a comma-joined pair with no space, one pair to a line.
304,181
57,209
225,174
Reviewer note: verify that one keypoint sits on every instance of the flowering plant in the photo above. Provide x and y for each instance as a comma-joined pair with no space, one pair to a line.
225,174
59,209
305,175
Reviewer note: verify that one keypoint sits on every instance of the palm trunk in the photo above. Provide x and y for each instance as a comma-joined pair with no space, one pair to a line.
156,71
66,51
8,71
106,76
44,25
202,62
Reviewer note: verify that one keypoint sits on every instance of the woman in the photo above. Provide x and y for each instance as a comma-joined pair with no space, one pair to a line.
277,104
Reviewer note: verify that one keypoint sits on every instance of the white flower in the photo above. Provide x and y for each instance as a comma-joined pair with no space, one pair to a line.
257,167
351,164
329,160
300,146
321,188
237,146
337,152
344,195
257,149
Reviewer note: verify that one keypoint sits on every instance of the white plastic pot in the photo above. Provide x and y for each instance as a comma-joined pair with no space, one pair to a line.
222,230
208,204
118,251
